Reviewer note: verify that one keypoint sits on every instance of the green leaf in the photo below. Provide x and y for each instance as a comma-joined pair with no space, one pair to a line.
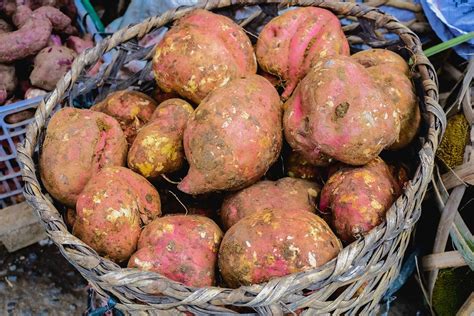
448,44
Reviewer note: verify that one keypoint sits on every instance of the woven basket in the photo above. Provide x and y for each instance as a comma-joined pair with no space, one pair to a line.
352,283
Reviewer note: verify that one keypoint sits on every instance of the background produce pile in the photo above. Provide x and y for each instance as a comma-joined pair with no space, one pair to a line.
275,147
39,43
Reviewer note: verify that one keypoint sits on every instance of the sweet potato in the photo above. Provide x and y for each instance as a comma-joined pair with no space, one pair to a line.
298,167
271,243
290,44
51,64
181,247
338,111
287,193
33,93
233,137
358,198
54,40
158,147
111,209
132,109
34,30
8,80
390,72
78,144
3,96
201,52
5,27
78,44
399,90
19,117
159,96
375,57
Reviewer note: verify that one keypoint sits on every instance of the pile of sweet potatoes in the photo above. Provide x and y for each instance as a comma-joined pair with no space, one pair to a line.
38,45
265,184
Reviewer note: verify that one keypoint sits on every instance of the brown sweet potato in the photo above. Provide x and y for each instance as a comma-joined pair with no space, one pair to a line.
5,27
298,167
399,90
78,144
8,80
158,147
51,64
287,193
375,57
201,52
290,44
358,198
233,137
111,209
270,243
338,111
19,117
390,72
132,109
34,30
181,247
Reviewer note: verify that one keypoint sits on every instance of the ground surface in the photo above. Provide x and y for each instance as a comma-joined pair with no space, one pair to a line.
37,280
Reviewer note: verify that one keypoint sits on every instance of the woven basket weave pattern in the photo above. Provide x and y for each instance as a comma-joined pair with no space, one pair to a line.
353,283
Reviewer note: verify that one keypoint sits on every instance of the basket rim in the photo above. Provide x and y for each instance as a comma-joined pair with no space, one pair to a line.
109,275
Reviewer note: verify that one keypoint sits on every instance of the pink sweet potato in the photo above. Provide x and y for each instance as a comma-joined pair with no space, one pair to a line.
34,30
390,72
290,44
233,137
201,52
287,193
338,111
111,209
158,147
181,247
358,198
33,93
78,44
78,144
270,243
51,64
132,109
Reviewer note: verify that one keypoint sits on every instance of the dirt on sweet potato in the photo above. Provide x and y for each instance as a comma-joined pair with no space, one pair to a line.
288,193
158,147
292,43
132,109
358,198
390,72
111,210
338,111
181,247
201,52
233,137
271,243
78,144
